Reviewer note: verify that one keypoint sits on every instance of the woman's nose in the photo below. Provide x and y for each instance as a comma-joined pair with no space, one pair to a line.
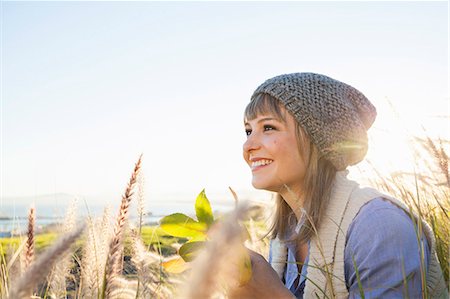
252,143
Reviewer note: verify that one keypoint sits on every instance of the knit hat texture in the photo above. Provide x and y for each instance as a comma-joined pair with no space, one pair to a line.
335,115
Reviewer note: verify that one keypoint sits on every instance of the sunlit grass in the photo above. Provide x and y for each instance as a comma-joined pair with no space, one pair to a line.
42,241
426,191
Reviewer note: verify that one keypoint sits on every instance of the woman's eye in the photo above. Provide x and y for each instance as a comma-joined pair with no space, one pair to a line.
248,132
268,128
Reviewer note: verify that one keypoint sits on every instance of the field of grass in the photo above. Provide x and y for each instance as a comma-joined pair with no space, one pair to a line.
129,260
42,241
152,236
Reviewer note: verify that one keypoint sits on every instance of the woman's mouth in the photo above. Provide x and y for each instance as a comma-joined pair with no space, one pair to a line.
260,164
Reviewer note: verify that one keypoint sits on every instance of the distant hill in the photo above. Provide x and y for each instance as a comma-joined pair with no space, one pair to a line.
46,204
46,199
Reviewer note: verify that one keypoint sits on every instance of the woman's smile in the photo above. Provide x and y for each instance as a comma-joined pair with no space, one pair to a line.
258,163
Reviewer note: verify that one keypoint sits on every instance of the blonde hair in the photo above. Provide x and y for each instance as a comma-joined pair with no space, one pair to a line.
318,181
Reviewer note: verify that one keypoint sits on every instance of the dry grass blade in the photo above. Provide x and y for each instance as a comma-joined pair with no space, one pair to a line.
90,263
10,266
140,199
441,158
436,149
62,267
29,246
444,161
236,198
147,265
123,289
40,268
94,255
16,255
113,264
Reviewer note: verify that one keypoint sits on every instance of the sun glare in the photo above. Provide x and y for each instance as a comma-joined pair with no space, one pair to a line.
397,141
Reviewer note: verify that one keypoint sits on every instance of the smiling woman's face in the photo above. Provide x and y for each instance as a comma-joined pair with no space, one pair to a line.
272,152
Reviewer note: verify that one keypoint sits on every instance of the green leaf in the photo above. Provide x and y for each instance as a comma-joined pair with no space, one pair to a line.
181,225
190,250
203,209
175,266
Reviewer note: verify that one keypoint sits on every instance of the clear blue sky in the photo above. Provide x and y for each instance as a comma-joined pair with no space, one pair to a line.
88,86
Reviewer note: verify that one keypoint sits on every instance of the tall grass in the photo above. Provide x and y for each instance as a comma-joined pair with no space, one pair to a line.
61,269
94,255
38,270
426,191
113,261
29,245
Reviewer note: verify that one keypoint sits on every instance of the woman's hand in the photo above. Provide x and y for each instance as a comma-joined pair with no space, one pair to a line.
264,282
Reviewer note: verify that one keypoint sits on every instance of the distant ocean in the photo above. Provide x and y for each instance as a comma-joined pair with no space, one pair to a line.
13,218
51,208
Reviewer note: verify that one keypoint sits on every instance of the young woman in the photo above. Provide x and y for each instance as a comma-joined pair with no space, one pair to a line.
330,238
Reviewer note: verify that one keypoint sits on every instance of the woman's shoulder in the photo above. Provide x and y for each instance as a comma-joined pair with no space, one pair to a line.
380,208
382,244
382,218
384,231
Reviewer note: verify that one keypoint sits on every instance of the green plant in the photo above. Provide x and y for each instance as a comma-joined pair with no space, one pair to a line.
196,231
181,225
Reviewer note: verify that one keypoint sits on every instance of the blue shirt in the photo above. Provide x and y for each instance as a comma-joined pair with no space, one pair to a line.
382,242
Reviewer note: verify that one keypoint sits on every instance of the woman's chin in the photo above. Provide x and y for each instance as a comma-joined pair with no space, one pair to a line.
261,186
258,185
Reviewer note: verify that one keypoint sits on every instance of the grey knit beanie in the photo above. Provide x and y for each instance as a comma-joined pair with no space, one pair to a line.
335,115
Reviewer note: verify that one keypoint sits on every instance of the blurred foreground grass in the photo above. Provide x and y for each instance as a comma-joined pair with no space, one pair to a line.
136,270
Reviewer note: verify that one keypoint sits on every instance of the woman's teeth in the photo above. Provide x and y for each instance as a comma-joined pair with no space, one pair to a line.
261,162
